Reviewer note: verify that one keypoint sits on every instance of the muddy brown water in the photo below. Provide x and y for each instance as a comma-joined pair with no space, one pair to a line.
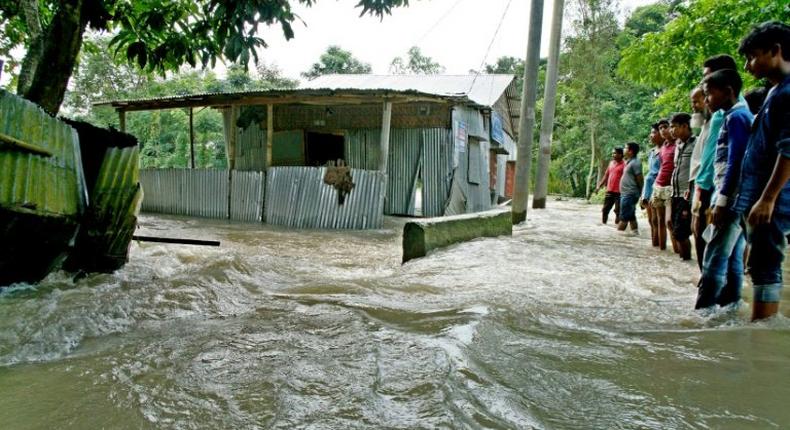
566,325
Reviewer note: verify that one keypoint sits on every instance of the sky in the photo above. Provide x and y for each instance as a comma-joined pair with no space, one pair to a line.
455,33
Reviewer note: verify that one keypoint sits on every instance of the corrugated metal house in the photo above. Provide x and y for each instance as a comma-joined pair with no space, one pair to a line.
417,145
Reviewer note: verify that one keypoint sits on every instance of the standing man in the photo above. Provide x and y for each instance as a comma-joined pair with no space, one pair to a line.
653,164
680,128
765,190
612,180
699,219
722,266
630,186
662,189
703,181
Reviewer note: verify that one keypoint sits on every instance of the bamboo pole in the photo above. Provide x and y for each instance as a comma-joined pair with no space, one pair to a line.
29,147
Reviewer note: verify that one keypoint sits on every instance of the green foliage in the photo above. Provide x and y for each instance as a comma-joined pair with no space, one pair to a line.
415,63
510,66
647,19
163,135
164,35
156,35
336,60
594,105
670,60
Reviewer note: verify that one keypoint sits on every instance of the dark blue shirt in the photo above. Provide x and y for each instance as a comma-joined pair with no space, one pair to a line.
770,138
730,147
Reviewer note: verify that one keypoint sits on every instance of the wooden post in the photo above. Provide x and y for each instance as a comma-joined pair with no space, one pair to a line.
269,134
122,120
386,120
191,140
232,134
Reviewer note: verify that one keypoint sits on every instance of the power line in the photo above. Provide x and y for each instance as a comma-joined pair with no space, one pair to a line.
438,21
493,39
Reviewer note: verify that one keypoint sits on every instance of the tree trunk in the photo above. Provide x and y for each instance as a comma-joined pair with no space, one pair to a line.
61,45
592,160
33,54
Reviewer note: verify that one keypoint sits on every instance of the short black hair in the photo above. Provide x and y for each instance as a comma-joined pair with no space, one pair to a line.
764,36
663,121
654,126
633,146
619,150
681,118
722,79
720,62
755,98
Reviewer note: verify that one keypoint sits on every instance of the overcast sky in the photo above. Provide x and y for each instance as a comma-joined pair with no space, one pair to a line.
456,33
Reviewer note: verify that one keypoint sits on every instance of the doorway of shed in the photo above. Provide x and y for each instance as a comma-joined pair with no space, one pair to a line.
417,198
323,147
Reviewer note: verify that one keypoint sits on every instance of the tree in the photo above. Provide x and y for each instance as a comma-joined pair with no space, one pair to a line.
648,19
596,109
415,64
158,35
698,30
163,135
336,60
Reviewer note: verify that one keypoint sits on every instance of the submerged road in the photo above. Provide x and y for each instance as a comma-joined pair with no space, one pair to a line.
566,325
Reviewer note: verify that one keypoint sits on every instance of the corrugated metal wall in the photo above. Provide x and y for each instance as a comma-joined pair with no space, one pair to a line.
403,168
298,197
54,185
510,146
437,170
363,148
427,151
251,149
203,193
470,190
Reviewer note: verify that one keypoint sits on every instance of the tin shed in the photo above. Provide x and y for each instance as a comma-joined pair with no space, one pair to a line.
415,145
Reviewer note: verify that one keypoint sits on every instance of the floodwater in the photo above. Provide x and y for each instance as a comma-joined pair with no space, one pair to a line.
566,325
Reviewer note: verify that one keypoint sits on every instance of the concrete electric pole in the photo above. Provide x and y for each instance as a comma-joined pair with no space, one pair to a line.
527,119
549,103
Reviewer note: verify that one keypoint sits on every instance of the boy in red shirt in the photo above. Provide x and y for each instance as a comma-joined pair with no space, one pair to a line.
662,189
612,180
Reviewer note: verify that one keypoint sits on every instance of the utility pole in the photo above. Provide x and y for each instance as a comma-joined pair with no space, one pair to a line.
549,104
527,118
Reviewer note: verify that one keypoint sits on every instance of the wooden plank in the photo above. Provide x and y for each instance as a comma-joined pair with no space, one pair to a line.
177,241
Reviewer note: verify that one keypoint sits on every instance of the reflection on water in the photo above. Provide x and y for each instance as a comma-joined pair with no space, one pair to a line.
565,325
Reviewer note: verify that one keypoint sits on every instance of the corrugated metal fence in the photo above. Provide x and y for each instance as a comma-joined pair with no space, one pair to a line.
204,193
298,197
